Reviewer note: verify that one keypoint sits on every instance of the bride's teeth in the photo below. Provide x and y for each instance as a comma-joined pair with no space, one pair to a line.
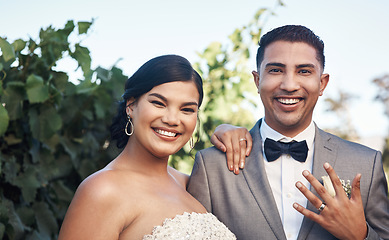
289,100
166,133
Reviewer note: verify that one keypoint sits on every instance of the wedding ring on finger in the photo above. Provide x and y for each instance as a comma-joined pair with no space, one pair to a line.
322,206
242,139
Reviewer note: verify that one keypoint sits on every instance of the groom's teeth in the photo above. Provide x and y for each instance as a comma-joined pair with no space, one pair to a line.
166,133
288,100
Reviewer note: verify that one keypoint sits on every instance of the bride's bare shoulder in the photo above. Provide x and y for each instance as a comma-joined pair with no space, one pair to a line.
107,185
182,178
100,201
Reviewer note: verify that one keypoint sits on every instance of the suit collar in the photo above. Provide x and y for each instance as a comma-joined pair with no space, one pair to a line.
325,151
258,183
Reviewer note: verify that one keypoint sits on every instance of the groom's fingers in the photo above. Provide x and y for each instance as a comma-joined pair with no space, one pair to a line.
319,188
335,180
356,188
309,195
309,214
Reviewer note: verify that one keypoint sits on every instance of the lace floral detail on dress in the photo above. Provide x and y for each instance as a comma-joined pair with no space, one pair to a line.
191,226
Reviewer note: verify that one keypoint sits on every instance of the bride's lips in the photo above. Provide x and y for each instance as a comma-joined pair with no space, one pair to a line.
167,133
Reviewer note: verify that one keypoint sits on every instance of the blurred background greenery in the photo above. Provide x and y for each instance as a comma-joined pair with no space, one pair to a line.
54,132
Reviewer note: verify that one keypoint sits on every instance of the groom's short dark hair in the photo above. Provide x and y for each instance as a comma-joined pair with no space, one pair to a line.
291,33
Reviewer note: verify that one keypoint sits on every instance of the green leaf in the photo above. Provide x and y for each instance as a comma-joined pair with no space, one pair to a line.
71,89
102,103
211,52
69,27
88,115
34,123
14,226
45,219
11,168
56,96
19,45
82,56
4,120
53,43
83,27
52,142
29,184
86,168
259,13
37,91
58,167
7,49
62,191
44,125
13,97
26,214
103,74
86,87
70,149
60,80
2,230
50,119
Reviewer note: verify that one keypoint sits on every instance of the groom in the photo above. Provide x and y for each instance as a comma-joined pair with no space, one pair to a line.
277,195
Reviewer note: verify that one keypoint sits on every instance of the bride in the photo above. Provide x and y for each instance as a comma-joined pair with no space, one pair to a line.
137,195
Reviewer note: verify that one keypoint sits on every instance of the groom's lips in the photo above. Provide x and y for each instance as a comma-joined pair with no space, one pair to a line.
288,101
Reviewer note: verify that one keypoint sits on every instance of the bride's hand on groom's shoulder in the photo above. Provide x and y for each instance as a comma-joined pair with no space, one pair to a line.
236,142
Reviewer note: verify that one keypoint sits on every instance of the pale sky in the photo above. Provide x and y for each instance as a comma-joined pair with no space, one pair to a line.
355,33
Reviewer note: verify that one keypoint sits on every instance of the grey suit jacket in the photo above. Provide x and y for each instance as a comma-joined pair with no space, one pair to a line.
245,202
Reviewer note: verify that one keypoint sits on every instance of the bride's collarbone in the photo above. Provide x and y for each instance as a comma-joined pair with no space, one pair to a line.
154,206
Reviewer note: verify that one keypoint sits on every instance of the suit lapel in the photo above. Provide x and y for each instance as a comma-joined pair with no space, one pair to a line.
256,178
325,151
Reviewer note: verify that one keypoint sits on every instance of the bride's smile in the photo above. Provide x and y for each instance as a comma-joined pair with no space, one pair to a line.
166,133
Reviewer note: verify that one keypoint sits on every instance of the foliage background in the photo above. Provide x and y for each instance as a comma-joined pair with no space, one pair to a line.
53,133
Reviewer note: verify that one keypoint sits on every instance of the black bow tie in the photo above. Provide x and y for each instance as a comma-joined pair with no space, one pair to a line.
273,150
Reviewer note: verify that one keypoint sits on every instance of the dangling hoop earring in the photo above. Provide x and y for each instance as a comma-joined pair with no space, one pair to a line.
132,127
191,143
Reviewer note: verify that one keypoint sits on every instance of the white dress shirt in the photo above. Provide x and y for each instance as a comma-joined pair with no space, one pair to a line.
283,174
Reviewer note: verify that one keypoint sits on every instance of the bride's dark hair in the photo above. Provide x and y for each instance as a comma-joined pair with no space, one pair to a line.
157,71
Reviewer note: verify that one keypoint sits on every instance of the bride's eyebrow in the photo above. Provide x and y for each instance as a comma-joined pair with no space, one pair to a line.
190,104
165,99
158,96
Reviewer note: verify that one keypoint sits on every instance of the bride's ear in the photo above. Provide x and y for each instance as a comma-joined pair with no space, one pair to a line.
130,106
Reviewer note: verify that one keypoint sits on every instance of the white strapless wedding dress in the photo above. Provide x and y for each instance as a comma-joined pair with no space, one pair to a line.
192,226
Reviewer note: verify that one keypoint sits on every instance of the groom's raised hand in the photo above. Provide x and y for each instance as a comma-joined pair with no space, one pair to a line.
343,217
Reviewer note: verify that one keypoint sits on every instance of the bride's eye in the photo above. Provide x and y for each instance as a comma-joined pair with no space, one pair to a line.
188,110
157,103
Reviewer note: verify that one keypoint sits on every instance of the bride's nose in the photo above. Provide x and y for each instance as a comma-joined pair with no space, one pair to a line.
171,117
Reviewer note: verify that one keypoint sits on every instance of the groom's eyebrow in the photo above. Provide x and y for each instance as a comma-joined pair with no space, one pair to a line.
307,65
275,64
